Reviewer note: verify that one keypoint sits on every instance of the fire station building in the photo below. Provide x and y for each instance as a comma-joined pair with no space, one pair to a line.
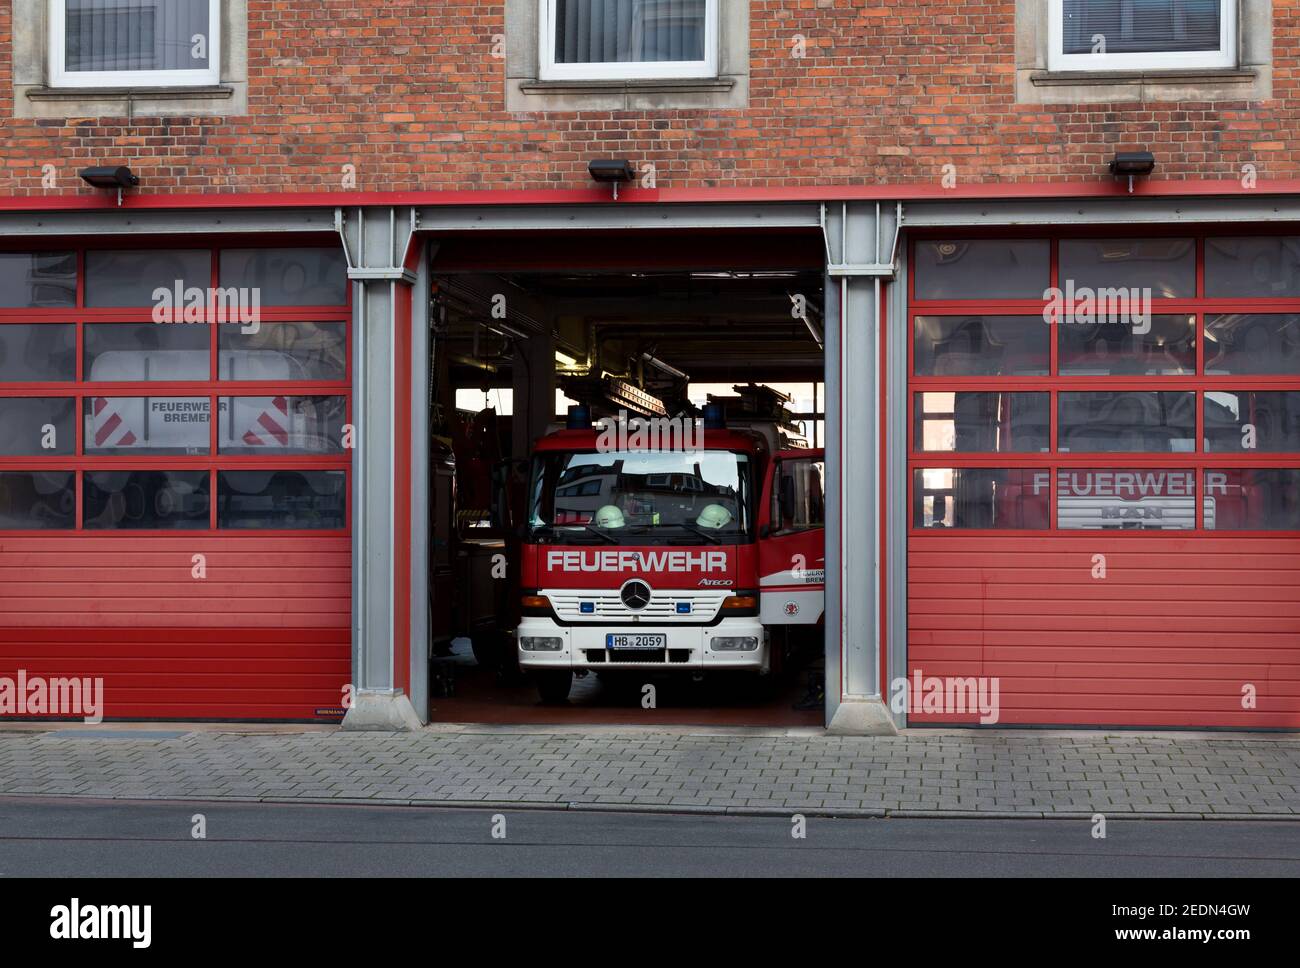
251,256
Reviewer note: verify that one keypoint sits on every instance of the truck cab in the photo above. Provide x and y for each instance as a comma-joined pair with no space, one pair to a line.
653,559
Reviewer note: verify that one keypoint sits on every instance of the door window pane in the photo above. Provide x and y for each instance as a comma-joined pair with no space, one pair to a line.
982,346
1167,267
986,269
1108,349
282,425
288,277
37,426
1253,344
282,500
147,352
133,278
38,280
38,500
285,352
1253,268
981,497
979,422
1123,500
604,32
146,500
137,35
1128,421
1253,499
38,352
1247,421
147,425
800,495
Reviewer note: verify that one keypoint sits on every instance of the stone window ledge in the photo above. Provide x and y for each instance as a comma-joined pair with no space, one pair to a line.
1107,78
216,93
631,86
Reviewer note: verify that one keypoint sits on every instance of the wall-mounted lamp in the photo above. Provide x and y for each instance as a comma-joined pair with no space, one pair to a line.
1132,164
111,177
613,173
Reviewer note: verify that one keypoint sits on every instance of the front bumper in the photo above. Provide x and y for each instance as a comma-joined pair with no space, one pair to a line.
690,647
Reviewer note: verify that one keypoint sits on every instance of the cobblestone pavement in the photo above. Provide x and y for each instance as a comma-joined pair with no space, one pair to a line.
915,774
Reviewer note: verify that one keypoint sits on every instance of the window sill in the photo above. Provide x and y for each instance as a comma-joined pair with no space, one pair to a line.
1227,75
631,86
209,93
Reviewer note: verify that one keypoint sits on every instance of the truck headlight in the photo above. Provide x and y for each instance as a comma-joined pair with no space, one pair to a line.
531,644
735,643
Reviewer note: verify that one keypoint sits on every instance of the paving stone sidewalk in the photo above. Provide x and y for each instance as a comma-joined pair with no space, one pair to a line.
916,774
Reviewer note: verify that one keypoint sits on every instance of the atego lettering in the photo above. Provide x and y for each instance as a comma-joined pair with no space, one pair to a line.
639,561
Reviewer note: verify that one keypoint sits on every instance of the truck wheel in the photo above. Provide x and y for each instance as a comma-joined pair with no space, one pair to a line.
487,649
554,684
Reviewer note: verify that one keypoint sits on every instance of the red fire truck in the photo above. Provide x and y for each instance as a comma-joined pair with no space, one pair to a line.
700,560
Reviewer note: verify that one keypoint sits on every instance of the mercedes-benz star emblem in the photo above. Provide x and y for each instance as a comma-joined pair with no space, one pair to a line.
635,595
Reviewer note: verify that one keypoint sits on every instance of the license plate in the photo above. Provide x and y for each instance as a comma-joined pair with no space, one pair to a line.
636,641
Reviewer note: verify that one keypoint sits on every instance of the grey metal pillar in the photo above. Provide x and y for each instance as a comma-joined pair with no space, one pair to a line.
861,241
389,582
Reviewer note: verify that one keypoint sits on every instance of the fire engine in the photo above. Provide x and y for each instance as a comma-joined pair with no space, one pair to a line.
695,561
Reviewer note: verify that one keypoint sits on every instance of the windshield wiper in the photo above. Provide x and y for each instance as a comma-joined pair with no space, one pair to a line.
706,535
602,533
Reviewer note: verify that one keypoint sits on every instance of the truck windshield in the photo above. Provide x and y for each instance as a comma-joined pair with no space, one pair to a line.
640,497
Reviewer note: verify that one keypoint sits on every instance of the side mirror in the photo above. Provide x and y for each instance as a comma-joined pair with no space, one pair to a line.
785,500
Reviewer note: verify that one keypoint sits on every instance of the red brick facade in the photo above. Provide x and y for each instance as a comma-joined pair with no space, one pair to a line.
410,93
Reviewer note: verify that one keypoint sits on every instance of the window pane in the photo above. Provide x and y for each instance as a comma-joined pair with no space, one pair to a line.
1011,423
981,497
38,280
37,500
136,500
620,31
38,352
132,278
147,352
1165,266
288,277
1109,349
1261,268
1128,421
37,426
801,495
285,351
1254,344
1141,26
137,35
282,425
282,500
1121,500
982,346
147,425
996,269
1242,421
1253,499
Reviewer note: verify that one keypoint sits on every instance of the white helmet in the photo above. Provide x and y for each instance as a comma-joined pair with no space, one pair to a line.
714,516
609,517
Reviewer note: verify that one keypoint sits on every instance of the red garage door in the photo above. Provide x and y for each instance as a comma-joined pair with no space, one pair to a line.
200,567
1105,480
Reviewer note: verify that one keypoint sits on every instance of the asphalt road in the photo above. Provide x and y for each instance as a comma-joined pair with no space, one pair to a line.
70,838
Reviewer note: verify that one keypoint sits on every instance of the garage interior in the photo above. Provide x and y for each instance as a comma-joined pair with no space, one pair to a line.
657,325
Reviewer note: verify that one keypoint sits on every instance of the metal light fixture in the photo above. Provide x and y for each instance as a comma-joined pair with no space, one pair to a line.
1132,164
111,177
611,172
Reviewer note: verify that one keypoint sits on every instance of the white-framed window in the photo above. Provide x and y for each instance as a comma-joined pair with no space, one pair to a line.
135,43
596,40
1131,35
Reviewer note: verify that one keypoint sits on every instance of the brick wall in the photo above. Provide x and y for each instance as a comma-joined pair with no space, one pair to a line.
408,91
